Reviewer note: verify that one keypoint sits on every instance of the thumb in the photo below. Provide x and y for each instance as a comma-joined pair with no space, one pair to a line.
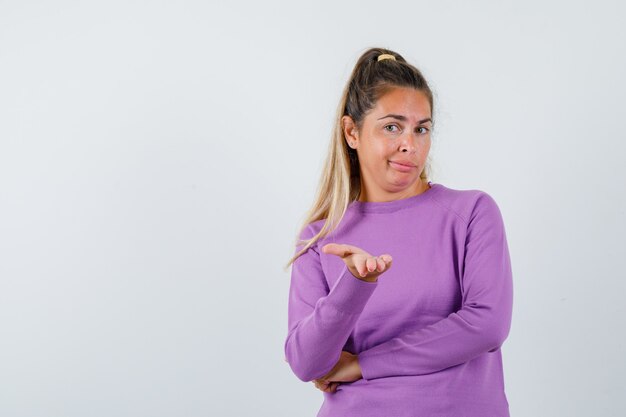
340,249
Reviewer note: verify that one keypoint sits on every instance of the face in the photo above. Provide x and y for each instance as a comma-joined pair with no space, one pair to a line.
393,145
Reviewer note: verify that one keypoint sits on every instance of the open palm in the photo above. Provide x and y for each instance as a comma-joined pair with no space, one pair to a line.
360,263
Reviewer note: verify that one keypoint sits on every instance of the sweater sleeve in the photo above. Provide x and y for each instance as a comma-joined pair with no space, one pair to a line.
481,325
320,319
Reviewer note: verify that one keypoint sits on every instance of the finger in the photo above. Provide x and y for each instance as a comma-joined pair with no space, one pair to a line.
380,264
319,384
336,249
361,267
342,250
370,264
387,258
328,387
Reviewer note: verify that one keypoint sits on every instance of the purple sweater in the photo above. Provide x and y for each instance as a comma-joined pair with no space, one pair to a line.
428,333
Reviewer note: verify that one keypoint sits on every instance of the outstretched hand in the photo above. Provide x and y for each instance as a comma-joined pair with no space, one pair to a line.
364,267
360,263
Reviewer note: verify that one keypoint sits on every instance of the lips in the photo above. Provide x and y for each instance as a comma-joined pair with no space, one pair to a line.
400,167
404,163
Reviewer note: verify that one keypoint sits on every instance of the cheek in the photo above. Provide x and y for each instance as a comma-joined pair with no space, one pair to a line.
387,149
380,151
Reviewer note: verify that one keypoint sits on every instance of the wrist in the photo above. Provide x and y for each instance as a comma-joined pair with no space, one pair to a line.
357,367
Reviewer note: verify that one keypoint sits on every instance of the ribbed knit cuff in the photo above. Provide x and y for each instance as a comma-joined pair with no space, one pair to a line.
350,294
370,364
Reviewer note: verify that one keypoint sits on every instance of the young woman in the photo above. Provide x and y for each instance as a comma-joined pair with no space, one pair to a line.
422,337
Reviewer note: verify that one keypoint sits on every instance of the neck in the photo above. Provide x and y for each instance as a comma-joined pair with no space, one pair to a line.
420,187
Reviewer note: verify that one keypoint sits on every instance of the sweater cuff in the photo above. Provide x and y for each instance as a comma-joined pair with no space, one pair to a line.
370,364
350,294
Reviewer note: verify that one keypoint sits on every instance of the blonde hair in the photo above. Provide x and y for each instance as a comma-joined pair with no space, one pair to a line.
340,182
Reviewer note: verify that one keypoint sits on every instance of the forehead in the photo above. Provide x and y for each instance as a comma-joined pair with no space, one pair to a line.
408,102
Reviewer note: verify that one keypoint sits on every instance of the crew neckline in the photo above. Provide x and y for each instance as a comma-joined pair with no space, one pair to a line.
393,205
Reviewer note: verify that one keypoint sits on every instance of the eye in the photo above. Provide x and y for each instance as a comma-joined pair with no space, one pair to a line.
390,130
425,128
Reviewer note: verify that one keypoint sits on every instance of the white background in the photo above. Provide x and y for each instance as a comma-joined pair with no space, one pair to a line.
157,158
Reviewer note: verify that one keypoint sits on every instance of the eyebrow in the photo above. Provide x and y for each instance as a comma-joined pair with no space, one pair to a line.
401,117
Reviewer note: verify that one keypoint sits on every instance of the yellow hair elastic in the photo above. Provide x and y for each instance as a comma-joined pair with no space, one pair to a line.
386,56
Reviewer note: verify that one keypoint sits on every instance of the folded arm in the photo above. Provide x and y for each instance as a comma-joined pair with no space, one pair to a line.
480,326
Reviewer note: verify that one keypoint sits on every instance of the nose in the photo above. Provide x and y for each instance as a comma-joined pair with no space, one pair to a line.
407,143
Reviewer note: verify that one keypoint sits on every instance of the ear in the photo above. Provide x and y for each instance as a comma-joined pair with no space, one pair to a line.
350,131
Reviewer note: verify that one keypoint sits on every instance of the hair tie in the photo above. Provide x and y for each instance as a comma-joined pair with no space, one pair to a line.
386,56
